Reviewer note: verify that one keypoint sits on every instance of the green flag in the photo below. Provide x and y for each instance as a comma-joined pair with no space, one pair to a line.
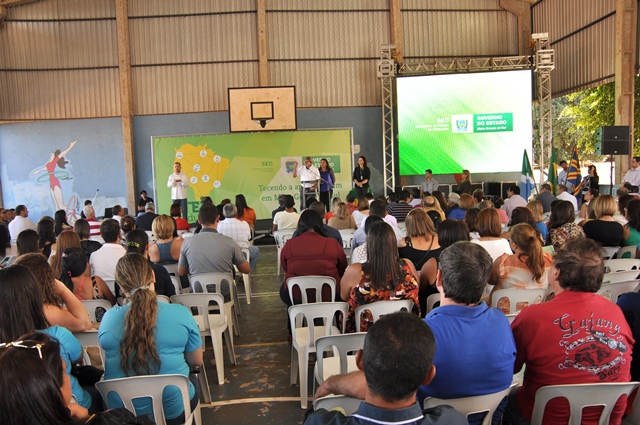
552,178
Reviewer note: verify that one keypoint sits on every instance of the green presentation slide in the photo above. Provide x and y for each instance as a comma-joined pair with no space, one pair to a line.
257,165
476,121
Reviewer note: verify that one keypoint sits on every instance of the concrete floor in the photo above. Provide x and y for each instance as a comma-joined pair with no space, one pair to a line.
257,390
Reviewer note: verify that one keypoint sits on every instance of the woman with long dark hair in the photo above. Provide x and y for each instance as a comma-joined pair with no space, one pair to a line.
21,312
82,228
46,235
361,176
34,388
245,213
65,241
590,181
175,211
311,253
384,276
145,337
562,225
328,180
60,217
76,275
632,228
138,243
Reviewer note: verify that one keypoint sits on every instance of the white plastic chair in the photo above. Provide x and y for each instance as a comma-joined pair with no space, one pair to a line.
631,250
281,237
622,265
431,301
175,280
91,306
515,296
608,252
172,269
381,308
343,348
580,396
89,339
304,337
311,283
612,291
212,325
187,235
615,277
150,386
111,284
152,237
246,277
163,299
347,241
348,405
211,282
487,404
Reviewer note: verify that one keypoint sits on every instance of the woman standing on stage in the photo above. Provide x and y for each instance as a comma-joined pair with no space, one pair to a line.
328,180
464,185
361,176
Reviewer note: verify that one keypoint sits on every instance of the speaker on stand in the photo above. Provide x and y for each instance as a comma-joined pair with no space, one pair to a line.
612,140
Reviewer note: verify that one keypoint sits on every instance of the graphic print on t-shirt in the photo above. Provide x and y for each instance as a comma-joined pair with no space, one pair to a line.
592,344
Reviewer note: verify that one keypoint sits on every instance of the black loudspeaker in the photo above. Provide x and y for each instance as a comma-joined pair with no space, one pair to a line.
493,188
612,140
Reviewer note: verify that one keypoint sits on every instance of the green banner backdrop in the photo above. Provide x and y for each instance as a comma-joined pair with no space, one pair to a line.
257,165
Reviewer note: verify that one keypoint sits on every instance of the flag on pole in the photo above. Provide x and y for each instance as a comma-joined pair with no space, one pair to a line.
526,177
573,176
553,172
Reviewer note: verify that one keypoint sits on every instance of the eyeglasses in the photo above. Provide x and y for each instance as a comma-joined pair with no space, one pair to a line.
24,344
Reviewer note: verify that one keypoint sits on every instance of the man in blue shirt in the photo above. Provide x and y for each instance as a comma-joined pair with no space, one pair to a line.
396,358
475,349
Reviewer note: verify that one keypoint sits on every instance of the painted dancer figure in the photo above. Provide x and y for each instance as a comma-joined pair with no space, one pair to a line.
57,159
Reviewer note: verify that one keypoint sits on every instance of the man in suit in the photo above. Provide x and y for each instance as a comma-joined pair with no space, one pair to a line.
145,220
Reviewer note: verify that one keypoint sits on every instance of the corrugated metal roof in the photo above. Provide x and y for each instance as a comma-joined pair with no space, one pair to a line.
562,17
451,5
304,35
187,7
477,33
188,88
194,39
63,9
328,5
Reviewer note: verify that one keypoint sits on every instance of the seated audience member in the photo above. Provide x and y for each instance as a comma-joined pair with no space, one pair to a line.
362,212
147,337
536,210
145,221
562,224
489,229
565,195
117,213
350,200
166,249
521,215
103,261
629,303
433,209
545,197
81,227
578,337
20,222
452,231
632,228
60,218
359,254
386,386
330,231
604,229
384,276
621,216
514,200
401,208
442,202
239,231
46,235
245,212
280,206
32,369
378,208
462,316
589,196
94,225
65,241
465,203
497,204
478,197
454,200
311,253
470,219
59,305
526,268
176,214
138,243
416,200
27,242
287,219
341,219
86,202
142,202
22,312
76,275
127,224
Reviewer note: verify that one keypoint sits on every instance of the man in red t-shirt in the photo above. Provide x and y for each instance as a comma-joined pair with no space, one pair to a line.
579,337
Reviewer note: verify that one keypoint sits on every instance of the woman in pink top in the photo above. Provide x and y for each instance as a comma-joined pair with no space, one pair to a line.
527,268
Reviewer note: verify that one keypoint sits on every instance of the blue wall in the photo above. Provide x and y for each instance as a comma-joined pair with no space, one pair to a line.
97,160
